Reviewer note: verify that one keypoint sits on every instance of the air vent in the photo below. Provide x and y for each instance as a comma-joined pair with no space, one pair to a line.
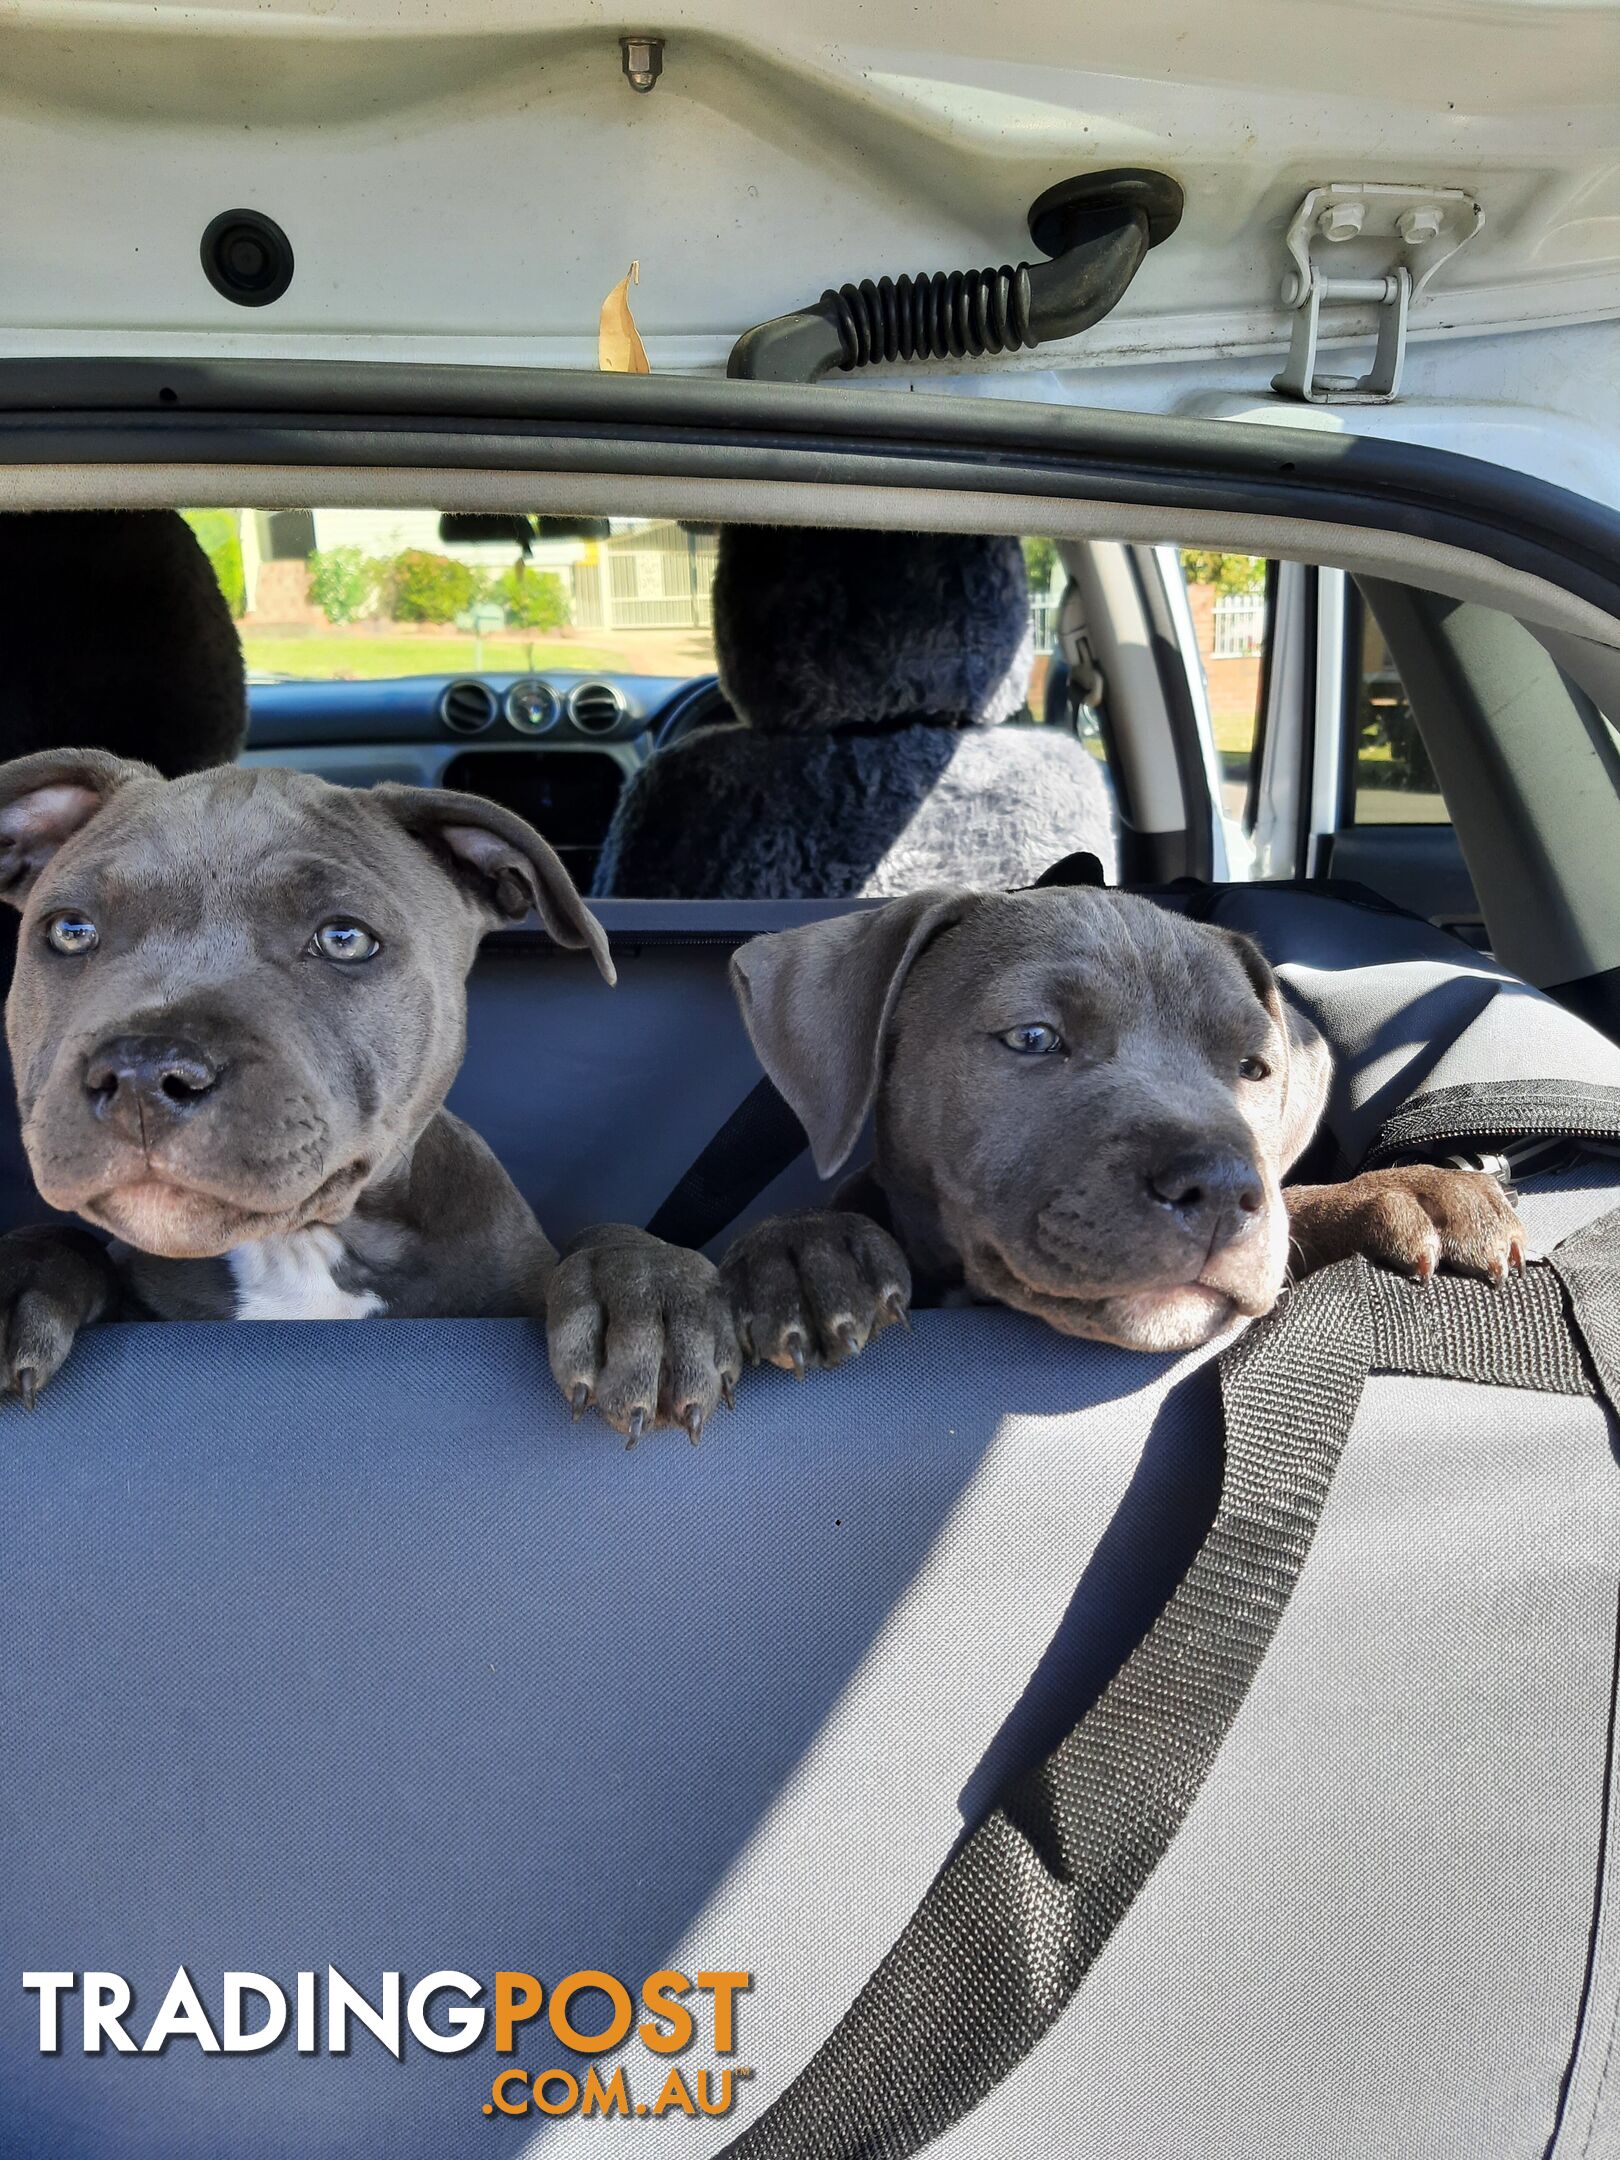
596,708
532,707
467,708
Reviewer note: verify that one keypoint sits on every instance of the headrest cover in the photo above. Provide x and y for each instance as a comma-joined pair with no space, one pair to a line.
815,631
114,635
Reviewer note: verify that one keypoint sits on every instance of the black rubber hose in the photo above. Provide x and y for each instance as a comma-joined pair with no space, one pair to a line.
954,314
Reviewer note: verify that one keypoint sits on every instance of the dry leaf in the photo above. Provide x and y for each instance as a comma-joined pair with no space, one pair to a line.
619,350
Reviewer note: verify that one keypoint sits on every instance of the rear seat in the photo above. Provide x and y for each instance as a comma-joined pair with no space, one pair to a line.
345,1644
597,1100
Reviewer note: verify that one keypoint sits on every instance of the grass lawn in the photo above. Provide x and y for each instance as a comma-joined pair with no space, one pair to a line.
338,655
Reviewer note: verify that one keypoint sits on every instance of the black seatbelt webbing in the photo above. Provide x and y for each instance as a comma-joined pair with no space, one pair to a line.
1587,1263
753,1147
1021,1911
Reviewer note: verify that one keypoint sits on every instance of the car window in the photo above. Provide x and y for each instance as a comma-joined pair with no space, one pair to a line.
1229,599
355,594
349,595
1388,780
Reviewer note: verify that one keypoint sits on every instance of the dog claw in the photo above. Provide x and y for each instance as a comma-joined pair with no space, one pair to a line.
579,1400
728,1392
638,1425
692,1419
795,1351
895,1307
28,1386
849,1338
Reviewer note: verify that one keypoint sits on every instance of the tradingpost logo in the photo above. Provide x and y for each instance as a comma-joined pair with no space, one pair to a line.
446,2013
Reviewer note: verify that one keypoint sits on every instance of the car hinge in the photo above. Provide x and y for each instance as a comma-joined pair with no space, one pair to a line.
1396,238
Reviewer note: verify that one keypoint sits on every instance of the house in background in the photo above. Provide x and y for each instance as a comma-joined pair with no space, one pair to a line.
277,545
651,574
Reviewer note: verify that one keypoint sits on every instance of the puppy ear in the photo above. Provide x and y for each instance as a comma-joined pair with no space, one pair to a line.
502,863
1310,1062
44,800
817,1004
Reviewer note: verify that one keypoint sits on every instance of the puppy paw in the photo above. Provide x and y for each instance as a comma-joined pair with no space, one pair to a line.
52,1284
815,1289
642,1330
1415,1219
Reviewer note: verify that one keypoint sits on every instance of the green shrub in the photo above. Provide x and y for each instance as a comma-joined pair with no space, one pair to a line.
1040,561
219,536
1231,575
428,588
533,599
342,583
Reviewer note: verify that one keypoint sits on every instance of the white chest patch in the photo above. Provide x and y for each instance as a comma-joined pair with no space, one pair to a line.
290,1278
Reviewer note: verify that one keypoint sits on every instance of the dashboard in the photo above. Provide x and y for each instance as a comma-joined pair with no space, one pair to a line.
556,747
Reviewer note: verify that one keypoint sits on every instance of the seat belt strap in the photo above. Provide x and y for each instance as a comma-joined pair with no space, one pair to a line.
753,1147
1020,1912
1023,1907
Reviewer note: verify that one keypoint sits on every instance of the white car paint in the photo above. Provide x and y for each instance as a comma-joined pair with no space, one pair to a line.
466,181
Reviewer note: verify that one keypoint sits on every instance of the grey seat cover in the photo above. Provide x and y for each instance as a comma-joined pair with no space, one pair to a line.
1414,1015
440,1679
344,1644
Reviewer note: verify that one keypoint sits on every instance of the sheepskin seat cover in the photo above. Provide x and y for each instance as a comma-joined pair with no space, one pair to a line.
114,634
868,673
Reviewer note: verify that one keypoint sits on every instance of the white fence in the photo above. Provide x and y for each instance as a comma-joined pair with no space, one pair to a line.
1240,626
657,578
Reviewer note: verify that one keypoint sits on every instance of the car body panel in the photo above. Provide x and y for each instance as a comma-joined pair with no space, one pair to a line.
467,183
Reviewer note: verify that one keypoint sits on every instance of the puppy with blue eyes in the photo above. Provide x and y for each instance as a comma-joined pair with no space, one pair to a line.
238,1005
1084,1107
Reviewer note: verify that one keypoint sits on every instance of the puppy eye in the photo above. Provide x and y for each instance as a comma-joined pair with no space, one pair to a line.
1254,1068
344,941
72,934
1033,1039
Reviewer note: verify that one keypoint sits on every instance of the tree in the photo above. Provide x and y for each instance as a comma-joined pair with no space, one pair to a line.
219,536
342,583
429,588
1231,575
1040,561
533,599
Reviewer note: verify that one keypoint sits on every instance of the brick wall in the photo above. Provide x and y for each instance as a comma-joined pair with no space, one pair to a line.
281,595
1234,685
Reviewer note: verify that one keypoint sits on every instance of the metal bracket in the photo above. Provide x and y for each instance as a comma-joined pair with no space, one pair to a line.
1421,228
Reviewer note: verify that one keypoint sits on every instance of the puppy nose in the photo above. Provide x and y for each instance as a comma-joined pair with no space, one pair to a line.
1209,1190
137,1081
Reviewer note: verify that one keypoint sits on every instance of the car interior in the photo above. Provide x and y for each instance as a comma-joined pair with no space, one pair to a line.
408,1662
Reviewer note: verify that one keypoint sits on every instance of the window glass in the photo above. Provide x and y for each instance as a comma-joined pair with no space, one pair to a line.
349,595
933,705
1231,622
1391,781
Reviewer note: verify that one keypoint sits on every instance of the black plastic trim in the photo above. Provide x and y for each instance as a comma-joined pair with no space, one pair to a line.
1262,701
1350,654
366,414
1305,814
